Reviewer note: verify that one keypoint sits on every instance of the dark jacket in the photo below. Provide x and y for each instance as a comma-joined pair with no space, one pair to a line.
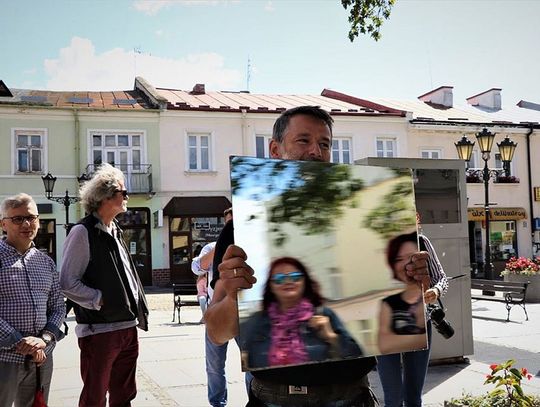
255,340
105,271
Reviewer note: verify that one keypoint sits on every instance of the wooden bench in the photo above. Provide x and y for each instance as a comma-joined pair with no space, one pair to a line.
180,290
512,293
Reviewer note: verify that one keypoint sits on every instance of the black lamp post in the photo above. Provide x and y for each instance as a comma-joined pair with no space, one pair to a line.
506,148
66,200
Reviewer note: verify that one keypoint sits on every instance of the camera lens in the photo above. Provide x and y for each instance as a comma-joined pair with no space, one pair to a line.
441,325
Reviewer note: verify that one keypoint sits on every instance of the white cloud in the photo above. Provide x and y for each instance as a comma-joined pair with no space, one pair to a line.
152,7
269,6
159,33
31,71
78,67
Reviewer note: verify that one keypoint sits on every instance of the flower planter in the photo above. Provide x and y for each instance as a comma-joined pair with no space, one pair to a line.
533,289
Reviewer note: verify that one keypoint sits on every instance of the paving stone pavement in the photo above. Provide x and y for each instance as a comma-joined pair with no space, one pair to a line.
171,368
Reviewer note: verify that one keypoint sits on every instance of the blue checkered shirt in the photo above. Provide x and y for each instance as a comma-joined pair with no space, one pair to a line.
30,299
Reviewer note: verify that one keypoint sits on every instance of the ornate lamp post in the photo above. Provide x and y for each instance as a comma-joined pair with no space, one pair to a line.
66,200
506,149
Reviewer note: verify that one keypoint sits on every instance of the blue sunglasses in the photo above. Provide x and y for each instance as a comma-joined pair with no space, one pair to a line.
294,277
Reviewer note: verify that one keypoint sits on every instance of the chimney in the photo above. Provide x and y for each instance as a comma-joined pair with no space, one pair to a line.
490,99
441,96
528,105
198,89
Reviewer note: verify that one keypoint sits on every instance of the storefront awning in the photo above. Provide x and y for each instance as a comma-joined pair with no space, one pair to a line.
478,214
196,206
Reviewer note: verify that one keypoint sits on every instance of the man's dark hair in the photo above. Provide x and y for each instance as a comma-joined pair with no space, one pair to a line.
312,290
280,126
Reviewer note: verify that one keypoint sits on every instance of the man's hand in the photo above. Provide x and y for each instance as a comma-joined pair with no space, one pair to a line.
417,268
234,272
39,357
29,345
431,296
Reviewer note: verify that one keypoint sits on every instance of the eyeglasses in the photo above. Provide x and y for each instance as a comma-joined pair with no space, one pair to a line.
294,277
124,192
19,220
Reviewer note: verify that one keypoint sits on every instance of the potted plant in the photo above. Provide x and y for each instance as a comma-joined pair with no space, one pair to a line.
510,179
507,392
473,178
521,269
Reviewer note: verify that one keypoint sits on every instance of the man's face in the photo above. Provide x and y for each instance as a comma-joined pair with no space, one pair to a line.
118,202
23,234
306,138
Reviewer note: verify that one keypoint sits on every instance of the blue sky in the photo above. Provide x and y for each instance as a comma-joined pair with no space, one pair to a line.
294,46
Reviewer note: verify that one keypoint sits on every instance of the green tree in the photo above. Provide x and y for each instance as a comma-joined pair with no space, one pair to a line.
395,214
367,16
310,195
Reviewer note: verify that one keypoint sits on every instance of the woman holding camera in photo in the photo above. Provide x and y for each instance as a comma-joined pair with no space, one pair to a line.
402,323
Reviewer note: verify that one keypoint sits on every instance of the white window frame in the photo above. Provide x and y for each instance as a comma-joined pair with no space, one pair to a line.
267,138
475,156
498,164
384,151
430,152
200,133
26,131
341,150
118,132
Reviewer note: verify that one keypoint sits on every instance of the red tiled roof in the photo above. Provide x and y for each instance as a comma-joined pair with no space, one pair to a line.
237,101
123,100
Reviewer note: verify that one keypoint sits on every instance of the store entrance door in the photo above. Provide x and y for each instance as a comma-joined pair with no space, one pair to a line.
135,223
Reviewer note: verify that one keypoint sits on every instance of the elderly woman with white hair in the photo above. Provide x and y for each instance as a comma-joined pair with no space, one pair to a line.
99,276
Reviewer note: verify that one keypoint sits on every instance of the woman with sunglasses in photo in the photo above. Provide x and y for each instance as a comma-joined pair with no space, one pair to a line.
294,326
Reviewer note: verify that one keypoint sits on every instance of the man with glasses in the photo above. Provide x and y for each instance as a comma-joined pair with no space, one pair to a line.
31,305
99,276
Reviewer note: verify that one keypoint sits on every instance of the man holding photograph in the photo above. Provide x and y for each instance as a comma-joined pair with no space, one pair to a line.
302,133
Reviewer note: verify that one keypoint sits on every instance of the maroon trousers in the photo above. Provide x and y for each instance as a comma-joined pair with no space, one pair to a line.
108,364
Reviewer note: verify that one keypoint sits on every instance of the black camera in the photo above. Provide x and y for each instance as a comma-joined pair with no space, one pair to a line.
442,326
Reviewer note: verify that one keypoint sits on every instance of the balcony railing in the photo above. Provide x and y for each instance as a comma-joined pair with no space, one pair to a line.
138,176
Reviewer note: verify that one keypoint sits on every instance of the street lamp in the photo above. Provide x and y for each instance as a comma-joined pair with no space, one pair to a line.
66,200
506,149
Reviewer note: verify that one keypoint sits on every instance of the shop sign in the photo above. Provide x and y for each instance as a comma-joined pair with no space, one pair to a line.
478,214
536,194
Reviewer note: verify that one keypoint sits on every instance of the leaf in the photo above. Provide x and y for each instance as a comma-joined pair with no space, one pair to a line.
367,16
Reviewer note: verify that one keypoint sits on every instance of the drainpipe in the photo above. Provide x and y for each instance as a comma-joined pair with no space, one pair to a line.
77,153
529,175
244,135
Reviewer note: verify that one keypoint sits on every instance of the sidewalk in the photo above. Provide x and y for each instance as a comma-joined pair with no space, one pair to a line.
171,368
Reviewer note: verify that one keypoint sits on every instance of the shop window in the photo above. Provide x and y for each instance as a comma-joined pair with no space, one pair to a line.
503,239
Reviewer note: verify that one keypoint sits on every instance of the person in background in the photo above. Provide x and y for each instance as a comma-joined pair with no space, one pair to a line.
402,374
31,306
216,355
202,292
99,276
